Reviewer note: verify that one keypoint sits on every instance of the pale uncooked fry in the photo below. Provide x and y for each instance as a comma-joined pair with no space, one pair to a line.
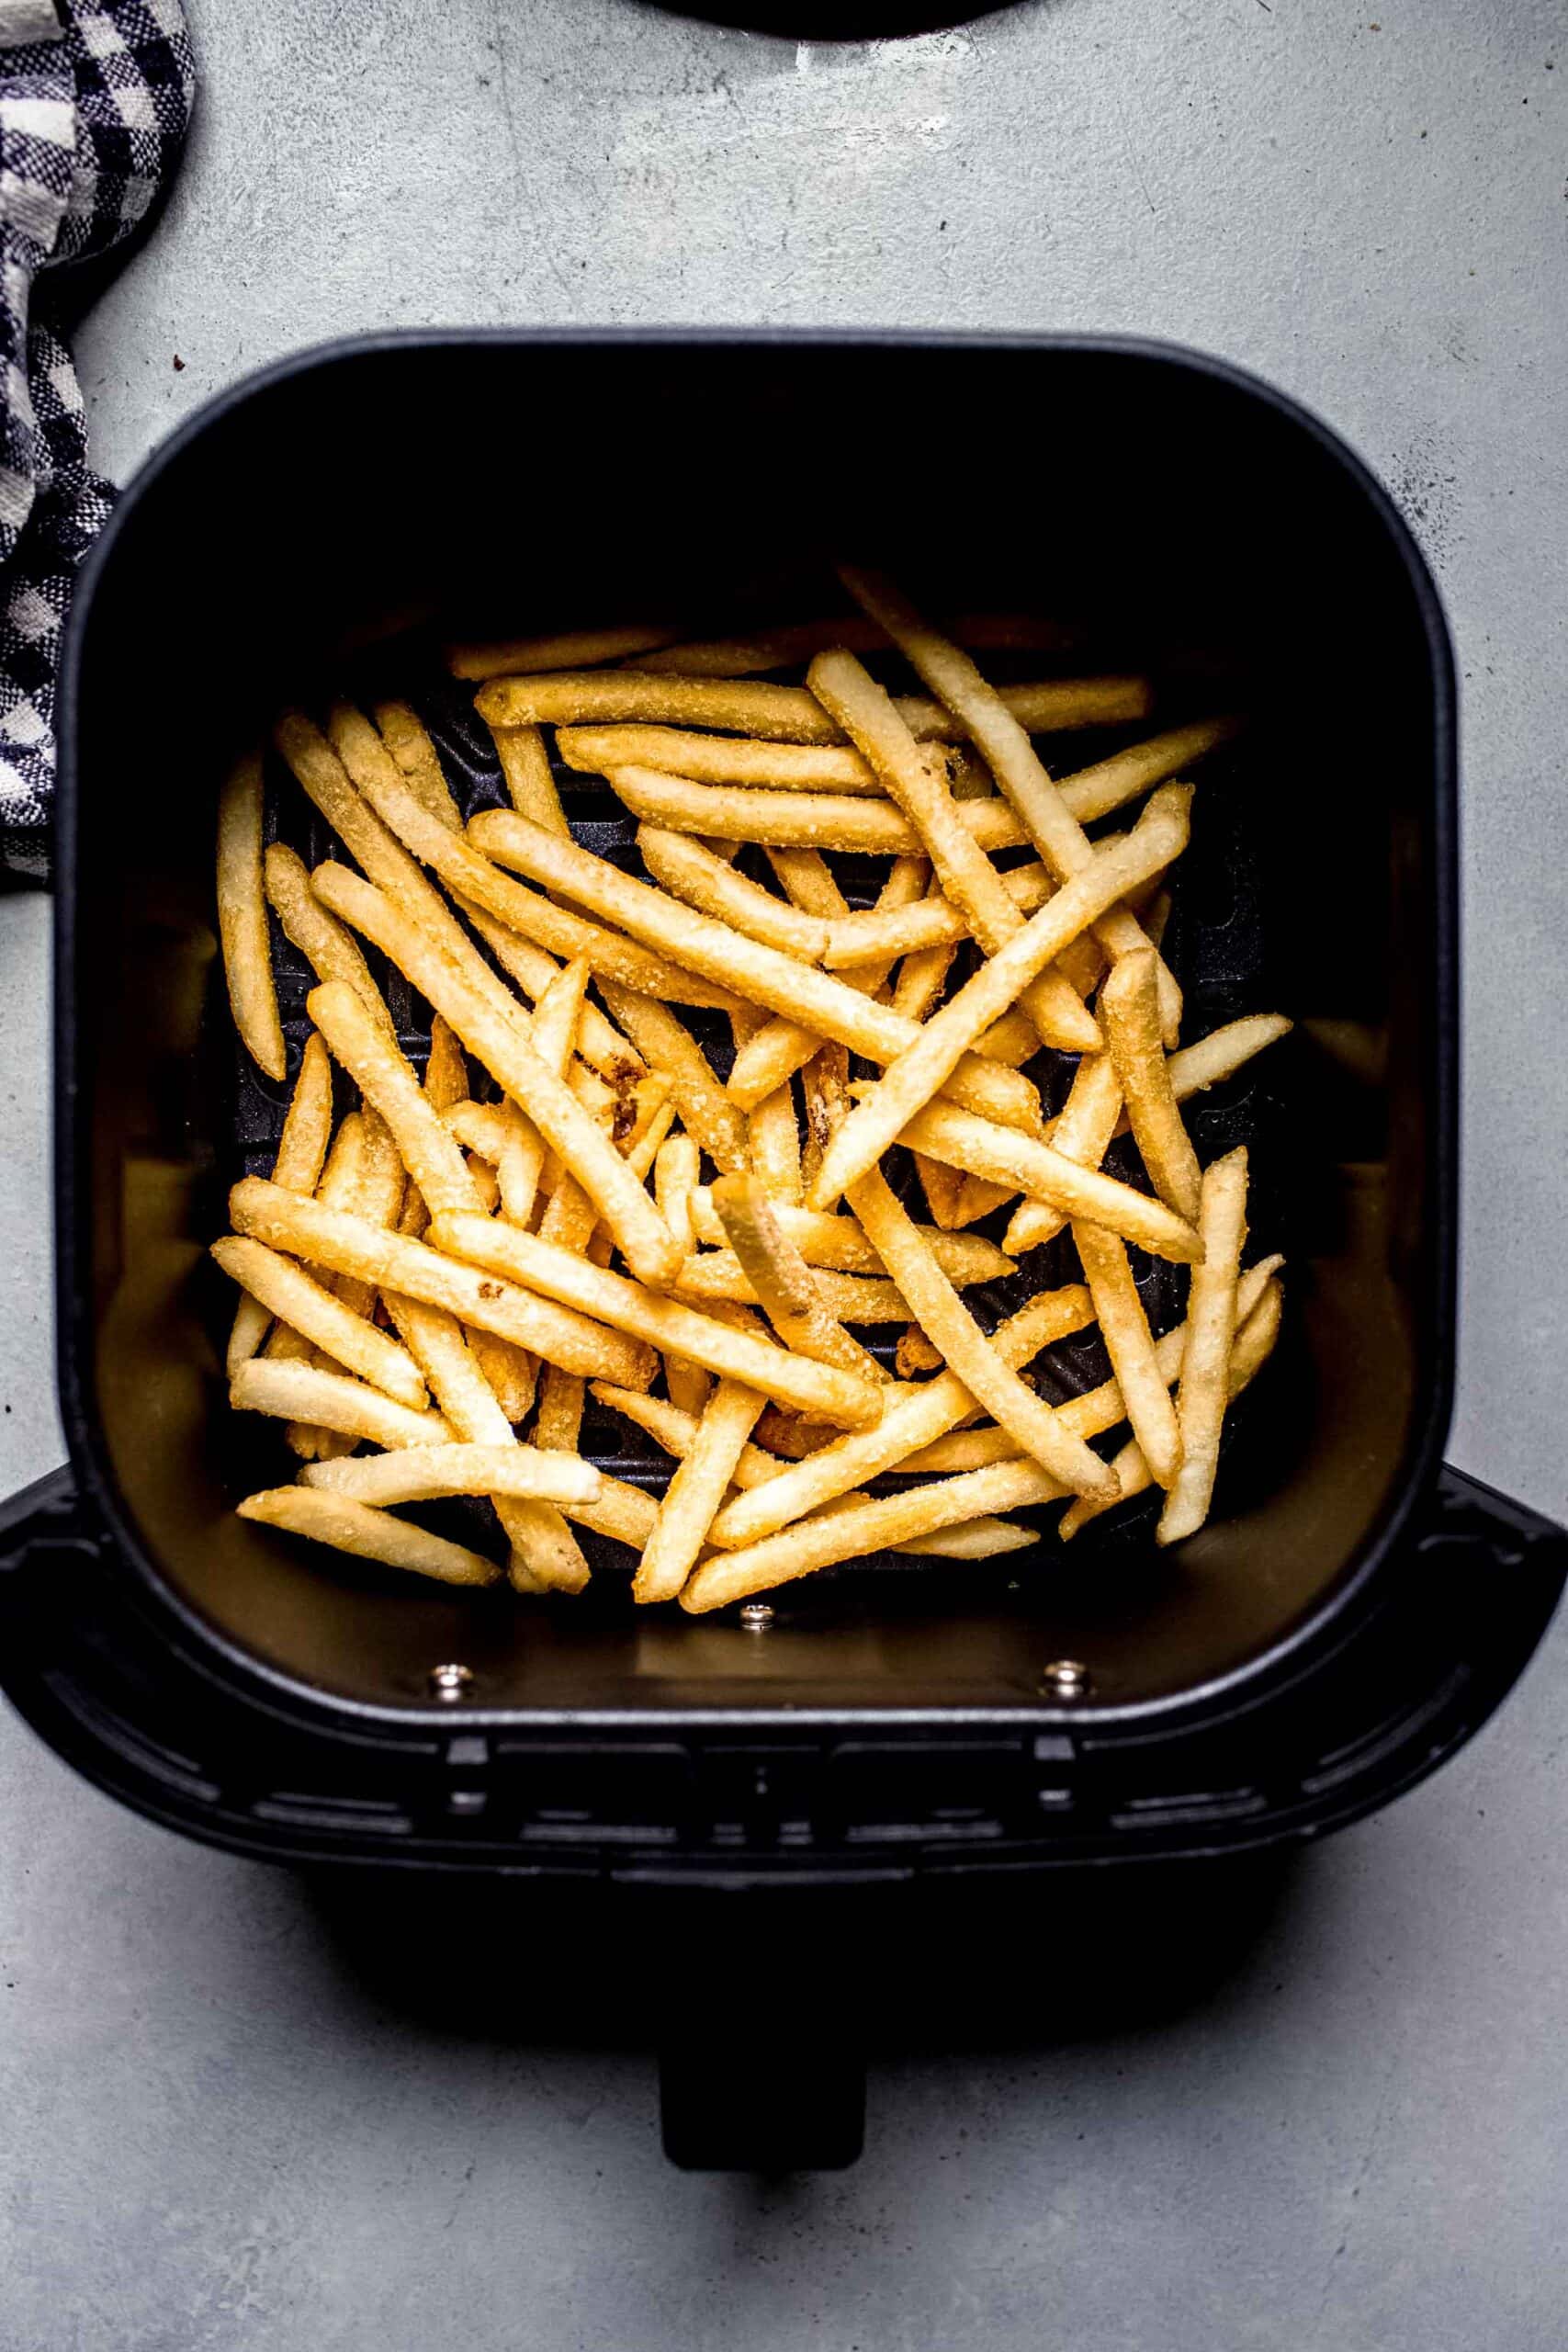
847,1298
425,1473
701,1481
951,1327
348,1526
1109,783
688,871
674,1427
978,1539
500,1041
833,1396
717,759
1129,1005
394,1261
1082,1131
800,992
302,1154
790,1294
967,876
329,947
915,1076
706,1111
1251,1349
1205,1364
568,649
1124,1327
783,714
932,922
820,820
527,773
242,917
286,1289
1005,1156
780,648
839,1243
330,1400
387,1081
406,737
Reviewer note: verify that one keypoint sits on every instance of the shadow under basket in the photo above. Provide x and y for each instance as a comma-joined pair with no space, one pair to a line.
1352,1614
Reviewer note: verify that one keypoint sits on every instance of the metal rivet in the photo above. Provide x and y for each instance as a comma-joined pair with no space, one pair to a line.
450,1682
757,1616
1065,1678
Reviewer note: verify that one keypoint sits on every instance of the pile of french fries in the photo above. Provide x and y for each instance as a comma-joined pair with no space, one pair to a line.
429,1291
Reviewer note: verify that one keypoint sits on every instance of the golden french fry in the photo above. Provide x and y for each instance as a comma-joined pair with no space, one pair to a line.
422,1474
622,1511
967,876
1109,783
1205,1365
533,970
573,649
782,714
1124,1327
911,1080
978,1198
787,986
339,1188
481,1126
369,1183
929,923
689,871
330,1400
529,779
834,1396
825,1090
943,1189
406,737
557,1018
393,1261
1081,1132
914,1354
717,759
951,1327
983,714
977,1539
675,1171
837,1243
818,820
286,1289
387,1081
794,1435
302,1154
701,1481
1129,1006
510,1372
1005,1156
921,978
1222,1053
803,877
780,648
332,951
668,1044
775,1136
1251,1349
349,1526
788,1292
446,1072
674,1427
242,917
559,1422
847,1298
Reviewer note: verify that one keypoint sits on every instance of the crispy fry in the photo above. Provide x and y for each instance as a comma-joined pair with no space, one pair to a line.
339,1189
286,1289
529,779
782,714
558,1423
1110,783
930,922
1082,1133
839,1243
1222,1053
665,1042
847,1298
574,649
1130,1007
242,917
701,1481
557,1018
790,1294
369,1183
446,1072
824,1089
422,1474
689,871
800,819
1205,1364
984,715
602,1047
510,1371
1124,1327
943,1189
330,1400
348,1526
835,1396
914,1354
622,1511
387,1081
674,1427
405,735
717,759
914,1078
302,1154
1004,1157
977,1539
332,951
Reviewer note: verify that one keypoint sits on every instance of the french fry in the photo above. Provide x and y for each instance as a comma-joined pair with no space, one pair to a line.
622,1511
794,1435
349,1526
910,1082
369,1183
820,820
572,650
782,714
1124,1327
943,1189
824,1089
930,923
602,1047
339,1188
501,1044
556,1017
445,1073
837,1243
286,1289
1222,1053
689,871
675,1427
330,1400
717,759
1095,791
558,1423
529,779
1129,1007
977,1539
835,1396
1201,1394
701,1481
984,715
969,880
704,1109
1003,1157
1253,1345
790,1294
780,649
847,1298
803,877
422,1474
349,1245
302,1154
385,1078
406,737
512,1374
914,1354
1082,1132
951,1327
242,917
774,1137
795,990
330,950
675,1171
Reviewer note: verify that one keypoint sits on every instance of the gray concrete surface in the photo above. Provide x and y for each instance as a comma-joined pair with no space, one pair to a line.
218,2129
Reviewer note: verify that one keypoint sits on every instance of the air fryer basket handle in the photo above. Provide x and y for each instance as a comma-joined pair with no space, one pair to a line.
48,1508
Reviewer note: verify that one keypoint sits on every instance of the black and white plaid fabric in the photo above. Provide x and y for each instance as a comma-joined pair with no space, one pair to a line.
95,96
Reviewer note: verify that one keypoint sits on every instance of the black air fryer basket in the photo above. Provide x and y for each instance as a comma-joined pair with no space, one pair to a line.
1354,1612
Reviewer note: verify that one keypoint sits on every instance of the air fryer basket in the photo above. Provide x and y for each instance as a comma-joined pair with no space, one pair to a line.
1182,516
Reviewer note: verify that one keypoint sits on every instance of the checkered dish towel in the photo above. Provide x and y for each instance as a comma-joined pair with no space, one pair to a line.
95,96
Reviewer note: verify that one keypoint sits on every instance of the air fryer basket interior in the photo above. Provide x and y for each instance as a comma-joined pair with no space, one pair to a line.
1183,521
